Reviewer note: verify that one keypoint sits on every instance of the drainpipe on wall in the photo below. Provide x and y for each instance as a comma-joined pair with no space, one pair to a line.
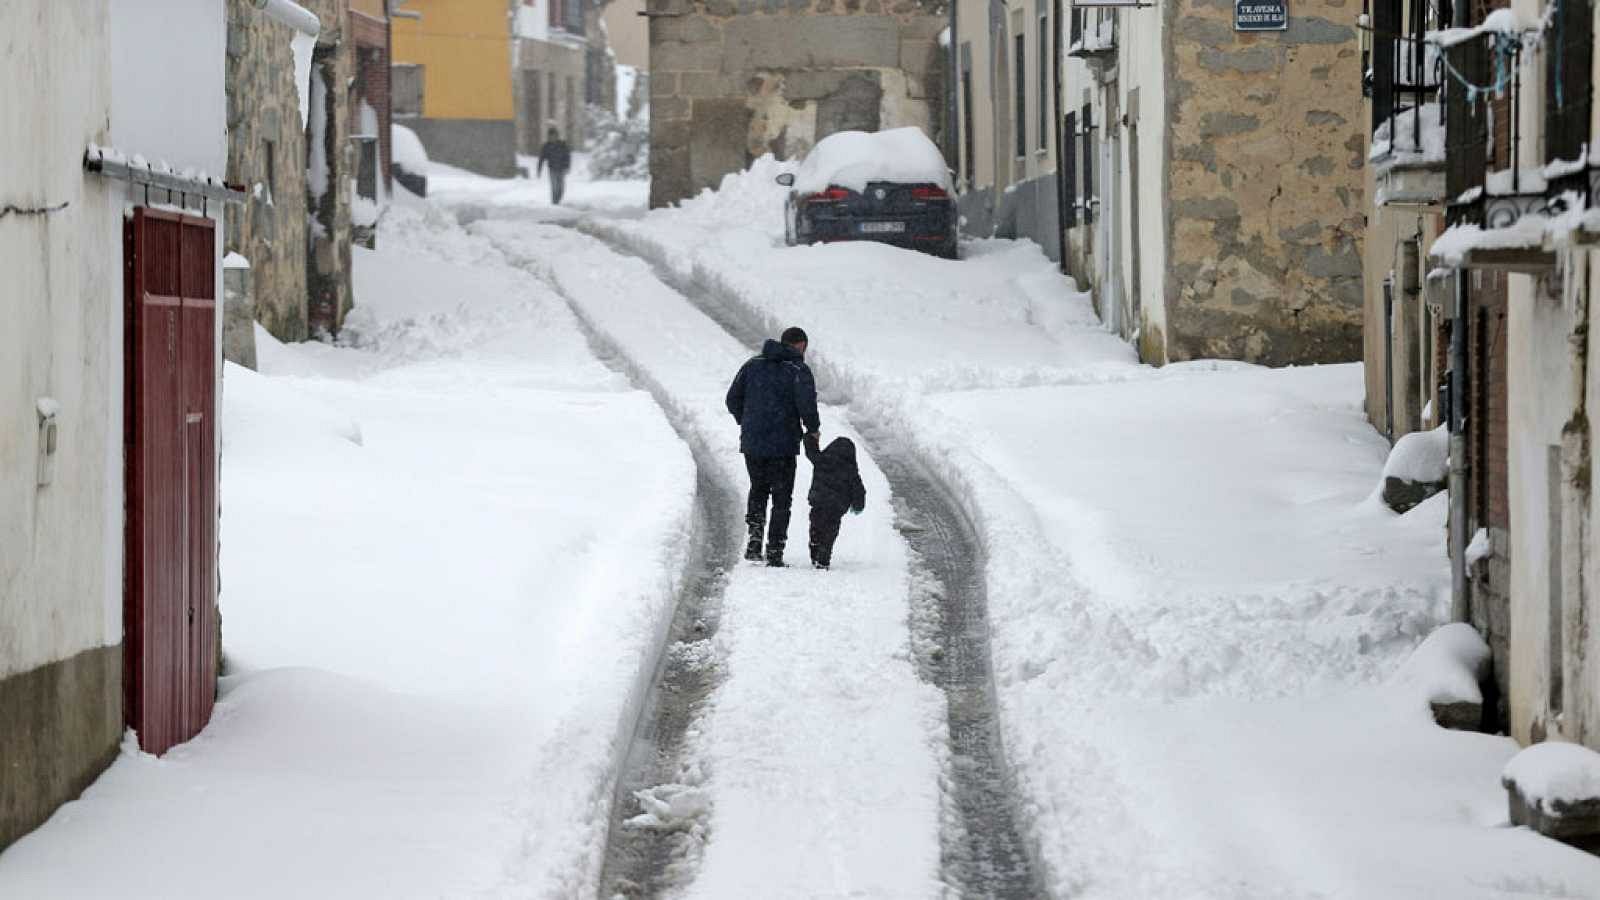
1056,51
1460,600
1388,357
952,104
291,14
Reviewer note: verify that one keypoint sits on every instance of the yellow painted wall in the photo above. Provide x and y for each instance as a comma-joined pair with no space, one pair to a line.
464,47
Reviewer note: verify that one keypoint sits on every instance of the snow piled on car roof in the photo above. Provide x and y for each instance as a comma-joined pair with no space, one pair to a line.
850,159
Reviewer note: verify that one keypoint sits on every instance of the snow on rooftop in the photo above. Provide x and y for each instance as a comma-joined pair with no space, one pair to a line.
1555,772
850,159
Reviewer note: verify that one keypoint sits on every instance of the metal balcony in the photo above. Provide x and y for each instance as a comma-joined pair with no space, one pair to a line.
1486,182
1404,77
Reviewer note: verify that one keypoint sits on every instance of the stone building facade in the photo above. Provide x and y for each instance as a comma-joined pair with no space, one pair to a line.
1215,196
331,165
302,174
266,154
731,80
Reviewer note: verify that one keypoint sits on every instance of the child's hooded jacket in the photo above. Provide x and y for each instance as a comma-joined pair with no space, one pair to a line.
836,481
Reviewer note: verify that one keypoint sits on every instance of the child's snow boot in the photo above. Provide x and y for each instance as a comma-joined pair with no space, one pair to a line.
752,550
775,556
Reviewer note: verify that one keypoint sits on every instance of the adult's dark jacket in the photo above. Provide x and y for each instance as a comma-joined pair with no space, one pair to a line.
835,479
555,154
774,400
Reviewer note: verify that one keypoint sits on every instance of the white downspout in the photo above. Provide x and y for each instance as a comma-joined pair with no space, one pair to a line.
291,14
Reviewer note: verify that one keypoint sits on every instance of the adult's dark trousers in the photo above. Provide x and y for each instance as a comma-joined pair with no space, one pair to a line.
770,477
558,185
824,531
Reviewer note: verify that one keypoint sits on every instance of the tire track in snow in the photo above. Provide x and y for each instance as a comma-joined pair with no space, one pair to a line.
641,860
985,849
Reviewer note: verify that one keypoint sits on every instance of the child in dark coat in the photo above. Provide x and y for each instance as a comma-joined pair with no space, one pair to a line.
835,487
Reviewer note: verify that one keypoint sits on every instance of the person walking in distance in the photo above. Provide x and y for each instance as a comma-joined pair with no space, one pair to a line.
558,156
774,400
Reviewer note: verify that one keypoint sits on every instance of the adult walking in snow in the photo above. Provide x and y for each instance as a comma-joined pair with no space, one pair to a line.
558,156
774,400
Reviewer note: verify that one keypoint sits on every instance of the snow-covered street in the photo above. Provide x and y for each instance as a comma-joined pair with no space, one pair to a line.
455,543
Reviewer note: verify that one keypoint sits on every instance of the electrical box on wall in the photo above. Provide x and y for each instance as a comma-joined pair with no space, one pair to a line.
48,408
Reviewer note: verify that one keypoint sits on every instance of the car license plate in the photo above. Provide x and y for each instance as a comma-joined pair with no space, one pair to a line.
883,227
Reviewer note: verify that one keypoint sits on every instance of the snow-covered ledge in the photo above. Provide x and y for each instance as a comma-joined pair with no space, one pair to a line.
1446,673
1554,789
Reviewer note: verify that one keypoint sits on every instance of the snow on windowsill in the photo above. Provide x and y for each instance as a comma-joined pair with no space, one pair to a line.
1411,148
1452,247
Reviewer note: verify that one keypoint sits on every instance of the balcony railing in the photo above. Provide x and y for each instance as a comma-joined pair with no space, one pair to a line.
1488,183
1093,35
1406,72
1483,102
1572,167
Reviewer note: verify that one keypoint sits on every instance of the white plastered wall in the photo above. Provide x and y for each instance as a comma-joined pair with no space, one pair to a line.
60,544
1546,546
1539,402
1143,67
973,24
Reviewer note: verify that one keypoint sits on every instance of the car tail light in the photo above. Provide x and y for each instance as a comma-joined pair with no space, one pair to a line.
928,192
832,193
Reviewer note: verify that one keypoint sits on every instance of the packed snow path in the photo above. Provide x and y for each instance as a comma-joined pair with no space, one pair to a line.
984,849
815,768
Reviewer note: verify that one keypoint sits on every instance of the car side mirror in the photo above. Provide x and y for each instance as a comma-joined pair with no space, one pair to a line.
786,179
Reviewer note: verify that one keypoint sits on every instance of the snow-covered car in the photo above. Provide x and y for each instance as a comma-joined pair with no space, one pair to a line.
887,186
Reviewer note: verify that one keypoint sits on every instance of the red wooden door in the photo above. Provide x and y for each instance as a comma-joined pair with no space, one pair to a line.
170,598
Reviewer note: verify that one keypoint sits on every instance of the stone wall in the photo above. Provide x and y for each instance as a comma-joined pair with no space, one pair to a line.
733,79
266,153
1265,197
328,200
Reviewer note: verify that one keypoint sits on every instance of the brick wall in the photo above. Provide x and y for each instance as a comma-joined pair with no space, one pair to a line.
372,49
1488,500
